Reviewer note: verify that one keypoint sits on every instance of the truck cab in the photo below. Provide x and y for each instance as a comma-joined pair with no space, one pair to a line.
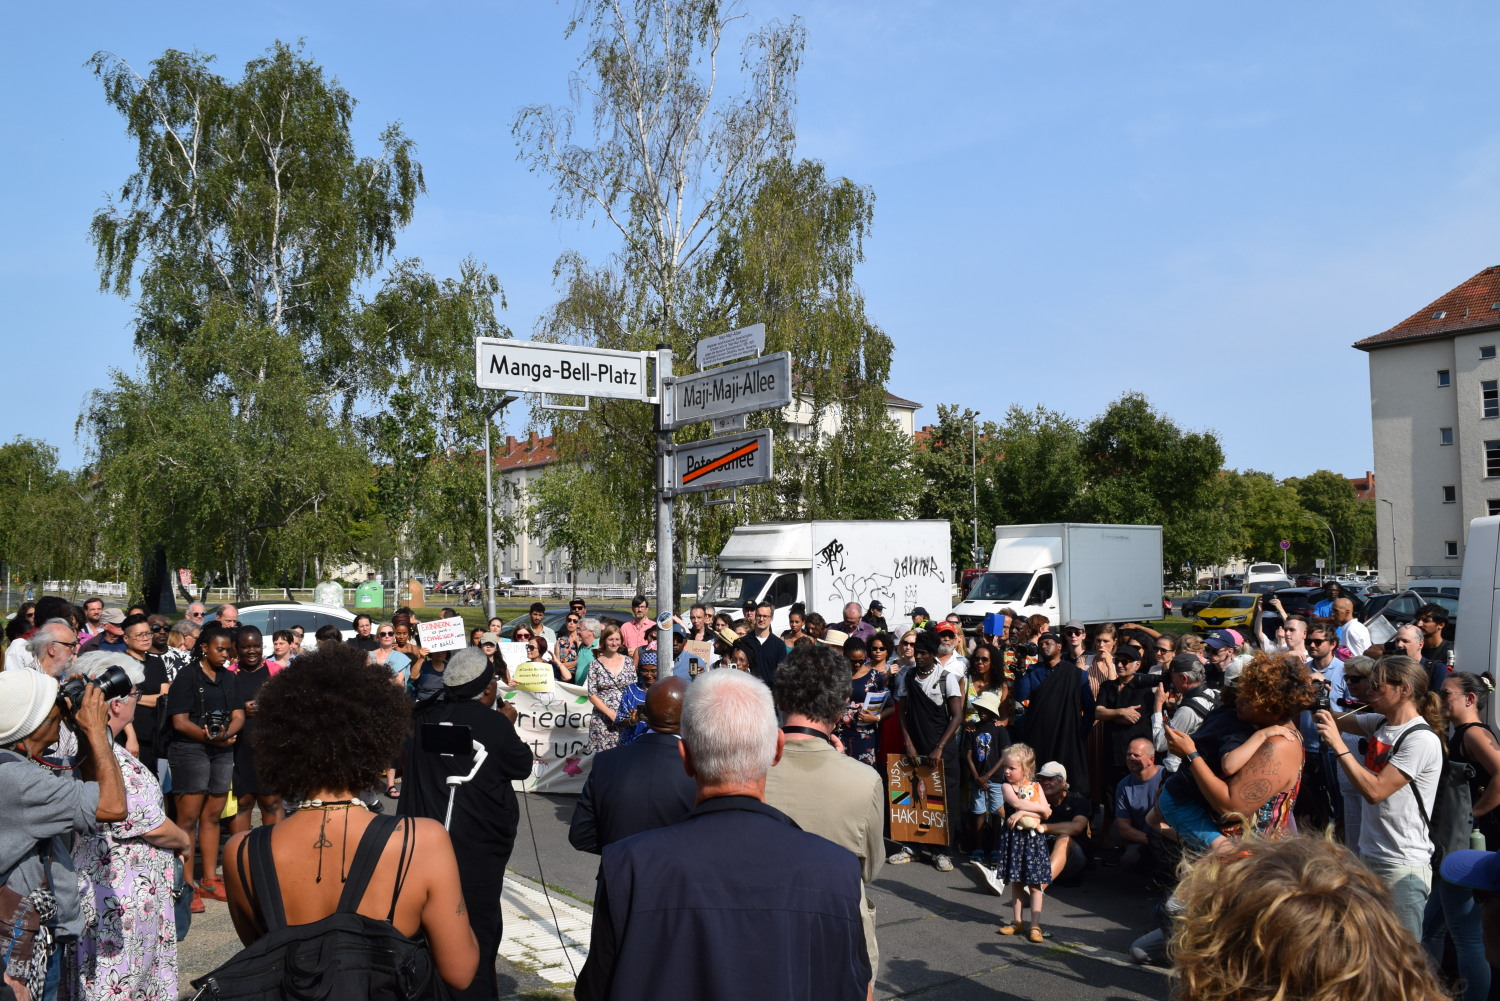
1028,586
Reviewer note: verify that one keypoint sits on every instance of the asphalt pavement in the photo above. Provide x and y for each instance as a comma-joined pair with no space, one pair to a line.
937,930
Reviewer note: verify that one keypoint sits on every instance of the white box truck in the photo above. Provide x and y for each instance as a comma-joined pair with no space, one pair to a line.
827,564
1096,573
1476,634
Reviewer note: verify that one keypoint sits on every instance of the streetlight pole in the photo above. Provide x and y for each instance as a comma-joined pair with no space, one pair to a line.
974,482
489,508
1395,566
1333,548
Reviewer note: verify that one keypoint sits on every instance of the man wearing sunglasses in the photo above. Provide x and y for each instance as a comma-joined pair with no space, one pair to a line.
1437,652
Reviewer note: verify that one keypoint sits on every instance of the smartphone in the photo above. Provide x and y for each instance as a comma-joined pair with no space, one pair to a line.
445,738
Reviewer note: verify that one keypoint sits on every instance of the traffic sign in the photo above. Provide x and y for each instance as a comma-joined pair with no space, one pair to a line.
561,369
1318,564
746,342
741,388
715,463
1285,544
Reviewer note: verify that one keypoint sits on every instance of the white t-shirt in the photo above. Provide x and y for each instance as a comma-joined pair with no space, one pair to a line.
957,665
1393,830
18,657
938,686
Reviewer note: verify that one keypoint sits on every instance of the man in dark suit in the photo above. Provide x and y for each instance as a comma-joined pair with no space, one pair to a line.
640,786
734,901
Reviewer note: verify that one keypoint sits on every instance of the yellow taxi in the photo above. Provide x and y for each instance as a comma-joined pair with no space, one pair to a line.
1229,611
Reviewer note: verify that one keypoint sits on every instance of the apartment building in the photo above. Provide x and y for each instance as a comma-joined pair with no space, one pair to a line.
1435,407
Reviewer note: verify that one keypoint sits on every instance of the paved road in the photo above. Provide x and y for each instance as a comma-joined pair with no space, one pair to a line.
937,930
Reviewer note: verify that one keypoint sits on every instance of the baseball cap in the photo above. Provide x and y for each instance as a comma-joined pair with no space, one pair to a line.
1186,662
1474,869
1052,770
1049,635
489,638
1221,638
1074,624
919,610
876,606
112,617
945,627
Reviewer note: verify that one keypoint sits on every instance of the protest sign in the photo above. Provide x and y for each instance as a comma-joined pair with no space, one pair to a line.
917,799
555,725
443,634
532,676
702,649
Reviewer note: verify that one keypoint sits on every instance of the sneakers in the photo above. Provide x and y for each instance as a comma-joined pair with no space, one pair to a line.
212,887
195,902
900,857
942,863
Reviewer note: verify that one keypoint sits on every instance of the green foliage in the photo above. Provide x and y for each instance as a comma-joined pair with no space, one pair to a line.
950,478
720,227
50,526
246,228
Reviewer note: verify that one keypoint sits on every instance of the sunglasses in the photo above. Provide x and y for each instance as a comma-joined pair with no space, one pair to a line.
571,619
1318,640
383,635
1354,679
159,629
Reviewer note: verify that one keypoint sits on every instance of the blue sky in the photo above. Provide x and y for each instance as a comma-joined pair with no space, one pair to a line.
1207,203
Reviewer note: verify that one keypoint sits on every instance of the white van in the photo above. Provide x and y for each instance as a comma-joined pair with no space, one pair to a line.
1266,573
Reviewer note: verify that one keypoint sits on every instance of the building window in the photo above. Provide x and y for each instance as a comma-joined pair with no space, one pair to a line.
1445,437
1451,549
1494,507
1445,378
1492,458
1487,352
1489,395
1450,495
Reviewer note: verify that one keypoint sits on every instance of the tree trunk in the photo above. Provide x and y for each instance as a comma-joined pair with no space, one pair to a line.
241,567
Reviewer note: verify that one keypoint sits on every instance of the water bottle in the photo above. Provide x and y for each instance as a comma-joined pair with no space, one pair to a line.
1476,840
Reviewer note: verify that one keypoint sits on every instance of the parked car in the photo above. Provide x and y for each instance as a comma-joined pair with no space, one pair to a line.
1309,580
269,616
554,618
1201,600
1401,609
1230,611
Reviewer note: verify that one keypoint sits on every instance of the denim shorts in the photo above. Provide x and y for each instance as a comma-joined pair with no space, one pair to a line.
1192,822
990,801
198,768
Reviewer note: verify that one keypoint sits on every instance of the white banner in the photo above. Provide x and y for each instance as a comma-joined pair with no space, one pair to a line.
555,725
443,634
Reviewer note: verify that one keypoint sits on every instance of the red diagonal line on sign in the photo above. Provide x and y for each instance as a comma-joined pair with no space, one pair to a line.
721,461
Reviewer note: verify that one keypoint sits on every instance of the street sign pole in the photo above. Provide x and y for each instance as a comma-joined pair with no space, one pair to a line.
666,597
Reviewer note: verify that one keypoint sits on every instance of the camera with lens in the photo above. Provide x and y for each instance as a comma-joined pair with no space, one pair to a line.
114,683
216,723
1159,679
1321,697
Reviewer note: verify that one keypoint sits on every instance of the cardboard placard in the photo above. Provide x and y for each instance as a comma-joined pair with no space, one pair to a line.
702,649
443,634
917,802
532,676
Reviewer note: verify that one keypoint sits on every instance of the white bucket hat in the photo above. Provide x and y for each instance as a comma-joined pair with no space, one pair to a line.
26,697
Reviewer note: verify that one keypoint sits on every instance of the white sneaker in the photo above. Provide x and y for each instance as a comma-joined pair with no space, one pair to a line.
942,863
899,857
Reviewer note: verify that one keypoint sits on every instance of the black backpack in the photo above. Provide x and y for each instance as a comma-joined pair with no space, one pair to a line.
1452,817
344,956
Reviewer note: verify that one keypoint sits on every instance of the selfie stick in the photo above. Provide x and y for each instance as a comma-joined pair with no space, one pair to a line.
454,781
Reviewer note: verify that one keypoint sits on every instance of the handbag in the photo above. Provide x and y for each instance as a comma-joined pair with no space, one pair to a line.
20,920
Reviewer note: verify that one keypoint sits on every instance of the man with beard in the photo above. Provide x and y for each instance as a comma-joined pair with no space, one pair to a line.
485,812
948,658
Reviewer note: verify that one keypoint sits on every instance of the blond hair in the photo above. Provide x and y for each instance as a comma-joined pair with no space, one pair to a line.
1293,918
1025,757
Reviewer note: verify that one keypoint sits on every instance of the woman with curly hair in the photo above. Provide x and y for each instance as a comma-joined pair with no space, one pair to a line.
327,727
1244,764
1292,918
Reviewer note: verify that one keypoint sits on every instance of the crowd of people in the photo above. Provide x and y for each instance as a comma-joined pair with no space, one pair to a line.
1040,753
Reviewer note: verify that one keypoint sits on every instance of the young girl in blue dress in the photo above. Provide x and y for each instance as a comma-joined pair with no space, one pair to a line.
1024,860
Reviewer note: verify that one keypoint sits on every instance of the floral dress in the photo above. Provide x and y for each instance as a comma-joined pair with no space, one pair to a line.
607,687
860,740
1023,851
129,944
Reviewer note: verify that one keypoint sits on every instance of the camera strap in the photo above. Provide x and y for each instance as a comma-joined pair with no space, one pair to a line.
808,731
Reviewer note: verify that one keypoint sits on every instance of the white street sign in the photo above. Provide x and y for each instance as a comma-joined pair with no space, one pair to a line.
561,369
1318,564
741,388
728,425
715,463
746,342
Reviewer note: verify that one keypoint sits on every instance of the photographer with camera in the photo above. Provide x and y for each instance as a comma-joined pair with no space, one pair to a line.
45,805
206,714
1127,703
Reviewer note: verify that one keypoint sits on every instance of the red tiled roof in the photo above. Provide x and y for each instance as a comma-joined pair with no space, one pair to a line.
1364,486
530,452
1470,306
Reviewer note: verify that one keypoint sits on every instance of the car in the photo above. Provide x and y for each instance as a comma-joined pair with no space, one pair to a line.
269,616
1303,601
1191,606
1401,609
1230,611
1308,580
